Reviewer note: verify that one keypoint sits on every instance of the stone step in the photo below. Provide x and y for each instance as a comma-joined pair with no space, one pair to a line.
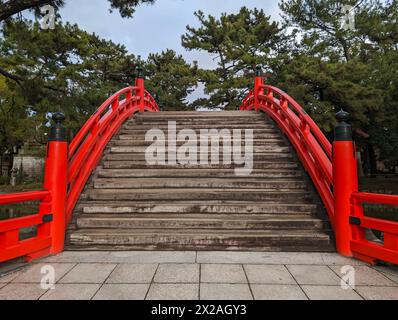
219,183
258,158
140,164
200,221
203,207
283,195
222,142
256,149
196,173
199,239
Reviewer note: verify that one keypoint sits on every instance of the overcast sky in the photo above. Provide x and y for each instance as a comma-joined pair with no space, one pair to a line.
155,27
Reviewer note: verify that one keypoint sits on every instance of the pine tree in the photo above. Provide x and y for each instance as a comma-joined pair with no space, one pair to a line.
170,80
238,42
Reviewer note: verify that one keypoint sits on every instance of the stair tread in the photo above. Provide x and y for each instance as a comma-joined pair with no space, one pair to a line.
130,204
200,232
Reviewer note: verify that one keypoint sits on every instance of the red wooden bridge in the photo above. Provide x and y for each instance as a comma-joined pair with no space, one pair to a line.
82,176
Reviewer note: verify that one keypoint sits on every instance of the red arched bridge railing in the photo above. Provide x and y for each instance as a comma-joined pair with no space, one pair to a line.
333,170
67,170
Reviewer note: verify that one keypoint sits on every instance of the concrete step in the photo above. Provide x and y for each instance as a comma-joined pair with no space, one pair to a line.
283,195
141,164
204,207
256,149
194,173
219,183
199,239
200,221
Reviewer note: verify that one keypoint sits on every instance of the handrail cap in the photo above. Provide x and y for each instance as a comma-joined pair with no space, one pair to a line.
58,117
342,116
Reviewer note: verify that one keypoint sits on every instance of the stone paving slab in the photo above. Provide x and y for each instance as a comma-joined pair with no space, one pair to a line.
278,292
9,277
330,293
177,273
224,291
173,275
21,291
132,273
71,292
226,257
268,274
173,292
223,273
125,257
391,272
35,273
122,292
366,276
378,293
317,275
89,273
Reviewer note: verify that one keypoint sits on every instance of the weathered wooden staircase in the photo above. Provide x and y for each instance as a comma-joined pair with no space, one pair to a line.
129,204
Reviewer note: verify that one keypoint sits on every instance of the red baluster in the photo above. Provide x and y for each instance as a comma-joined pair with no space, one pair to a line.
55,180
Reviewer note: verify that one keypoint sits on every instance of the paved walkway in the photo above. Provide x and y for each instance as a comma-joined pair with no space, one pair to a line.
199,275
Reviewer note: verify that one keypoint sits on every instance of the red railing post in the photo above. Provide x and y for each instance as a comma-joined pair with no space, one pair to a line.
258,87
55,180
140,91
345,182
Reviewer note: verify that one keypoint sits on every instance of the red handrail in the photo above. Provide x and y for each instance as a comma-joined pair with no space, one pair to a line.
333,173
80,160
11,246
369,249
311,145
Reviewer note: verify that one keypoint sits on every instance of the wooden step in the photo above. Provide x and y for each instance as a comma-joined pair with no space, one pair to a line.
195,173
199,221
200,239
222,142
258,158
132,205
256,149
142,164
198,194
204,207
231,183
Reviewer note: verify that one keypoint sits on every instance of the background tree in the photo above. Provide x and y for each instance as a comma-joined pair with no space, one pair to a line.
8,8
170,79
331,68
238,42
63,69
